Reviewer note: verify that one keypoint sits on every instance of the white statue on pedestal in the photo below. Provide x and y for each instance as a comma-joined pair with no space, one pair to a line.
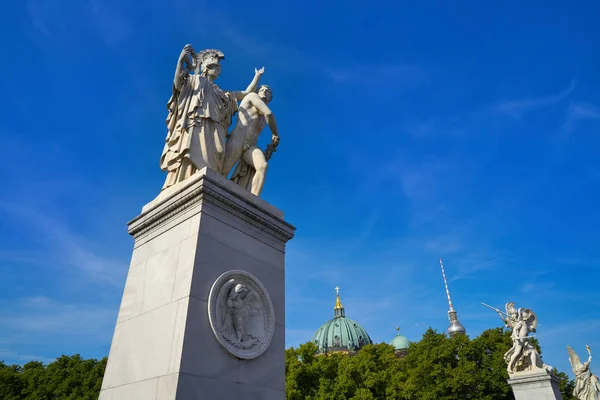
522,356
587,386
200,115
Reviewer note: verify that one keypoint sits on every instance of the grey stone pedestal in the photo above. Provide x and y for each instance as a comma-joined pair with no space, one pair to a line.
535,385
163,347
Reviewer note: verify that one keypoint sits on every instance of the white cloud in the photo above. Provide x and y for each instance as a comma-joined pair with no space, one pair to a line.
580,112
518,108
69,250
47,328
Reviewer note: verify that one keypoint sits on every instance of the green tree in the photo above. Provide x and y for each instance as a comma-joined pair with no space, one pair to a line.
12,382
436,367
67,378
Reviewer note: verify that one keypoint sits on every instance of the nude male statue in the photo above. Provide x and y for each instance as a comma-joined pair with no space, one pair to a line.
253,114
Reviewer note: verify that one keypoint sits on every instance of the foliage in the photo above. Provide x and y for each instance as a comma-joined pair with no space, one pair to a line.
67,378
437,367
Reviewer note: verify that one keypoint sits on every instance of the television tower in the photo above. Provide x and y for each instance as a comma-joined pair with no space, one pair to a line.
455,326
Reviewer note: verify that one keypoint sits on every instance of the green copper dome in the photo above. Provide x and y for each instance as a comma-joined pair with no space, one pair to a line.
400,342
340,334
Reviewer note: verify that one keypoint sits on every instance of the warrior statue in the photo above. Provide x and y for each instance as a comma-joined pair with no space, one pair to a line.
200,114
522,356
242,143
587,386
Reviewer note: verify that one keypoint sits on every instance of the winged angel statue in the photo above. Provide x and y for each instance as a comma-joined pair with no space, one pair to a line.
522,356
242,316
587,386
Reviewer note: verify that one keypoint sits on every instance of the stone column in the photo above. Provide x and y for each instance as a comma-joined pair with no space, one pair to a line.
536,384
166,343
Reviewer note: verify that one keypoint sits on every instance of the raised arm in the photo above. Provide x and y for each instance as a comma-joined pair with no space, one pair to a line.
260,105
252,86
587,347
182,71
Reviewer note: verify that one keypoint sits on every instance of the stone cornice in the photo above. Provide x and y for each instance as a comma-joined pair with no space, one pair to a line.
218,192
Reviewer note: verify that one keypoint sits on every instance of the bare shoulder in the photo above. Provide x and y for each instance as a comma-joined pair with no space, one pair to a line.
247,99
252,96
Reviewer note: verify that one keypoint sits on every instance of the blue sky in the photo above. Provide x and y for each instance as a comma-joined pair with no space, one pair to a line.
410,131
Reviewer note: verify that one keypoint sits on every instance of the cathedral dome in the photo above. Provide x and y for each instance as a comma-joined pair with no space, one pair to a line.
340,334
400,342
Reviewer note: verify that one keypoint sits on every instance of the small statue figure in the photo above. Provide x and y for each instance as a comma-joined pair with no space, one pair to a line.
587,386
522,356
241,144
200,114
242,317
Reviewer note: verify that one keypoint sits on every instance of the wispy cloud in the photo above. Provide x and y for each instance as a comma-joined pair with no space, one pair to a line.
580,112
105,20
38,12
66,247
536,287
33,323
518,108
403,74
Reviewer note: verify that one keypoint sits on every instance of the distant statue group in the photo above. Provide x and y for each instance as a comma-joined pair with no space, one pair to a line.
587,386
200,115
523,356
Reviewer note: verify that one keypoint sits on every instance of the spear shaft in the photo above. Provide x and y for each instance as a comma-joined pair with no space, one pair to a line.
493,308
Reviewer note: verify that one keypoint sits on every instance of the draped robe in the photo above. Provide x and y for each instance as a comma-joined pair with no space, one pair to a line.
199,116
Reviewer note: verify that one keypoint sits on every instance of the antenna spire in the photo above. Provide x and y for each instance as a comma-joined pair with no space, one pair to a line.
455,326
446,285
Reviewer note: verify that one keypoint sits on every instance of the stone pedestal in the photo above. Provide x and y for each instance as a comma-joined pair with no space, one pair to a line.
163,346
535,385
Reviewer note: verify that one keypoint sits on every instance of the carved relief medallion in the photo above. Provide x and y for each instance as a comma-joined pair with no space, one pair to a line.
241,314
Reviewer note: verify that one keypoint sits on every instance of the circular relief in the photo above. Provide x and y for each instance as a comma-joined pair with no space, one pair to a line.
241,314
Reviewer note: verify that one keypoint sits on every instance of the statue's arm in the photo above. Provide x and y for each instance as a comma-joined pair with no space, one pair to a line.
181,72
252,86
260,105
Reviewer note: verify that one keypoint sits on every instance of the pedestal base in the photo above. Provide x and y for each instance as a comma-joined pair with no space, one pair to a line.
163,346
535,385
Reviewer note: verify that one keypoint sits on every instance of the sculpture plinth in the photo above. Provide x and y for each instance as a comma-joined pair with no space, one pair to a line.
535,384
202,238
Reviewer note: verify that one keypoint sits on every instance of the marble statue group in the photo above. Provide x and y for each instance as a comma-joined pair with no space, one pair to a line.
523,356
200,115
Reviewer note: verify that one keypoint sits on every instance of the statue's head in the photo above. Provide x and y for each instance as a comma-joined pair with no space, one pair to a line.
207,63
239,288
265,93
524,313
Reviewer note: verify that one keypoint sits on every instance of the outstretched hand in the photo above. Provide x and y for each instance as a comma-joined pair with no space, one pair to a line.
275,140
259,71
188,49
587,347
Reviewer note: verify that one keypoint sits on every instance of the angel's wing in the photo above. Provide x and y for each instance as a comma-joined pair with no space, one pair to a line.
574,360
532,321
255,324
